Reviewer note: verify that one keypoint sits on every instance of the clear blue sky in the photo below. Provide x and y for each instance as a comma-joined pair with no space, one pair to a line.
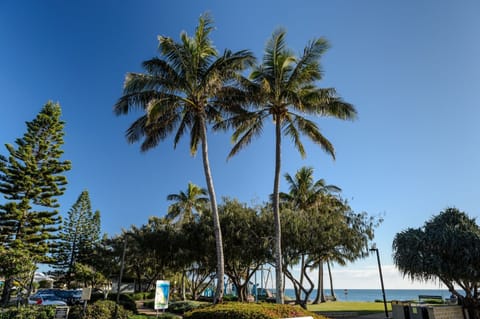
411,68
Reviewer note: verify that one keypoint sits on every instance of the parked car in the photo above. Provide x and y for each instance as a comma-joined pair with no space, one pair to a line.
71,297
46,300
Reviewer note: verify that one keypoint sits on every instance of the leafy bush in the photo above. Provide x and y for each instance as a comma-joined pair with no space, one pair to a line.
125,300
161,316
137,296
149,304
29,312
150,295
249,311
180,307
102,309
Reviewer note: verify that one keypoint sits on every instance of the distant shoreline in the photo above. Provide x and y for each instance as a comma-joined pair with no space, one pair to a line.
376,294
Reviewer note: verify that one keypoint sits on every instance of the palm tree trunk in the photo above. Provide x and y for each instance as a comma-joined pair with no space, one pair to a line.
320,294
276,214
216,219
184,295
332,291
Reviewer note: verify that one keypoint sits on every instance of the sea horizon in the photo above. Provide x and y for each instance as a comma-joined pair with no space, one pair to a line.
376,294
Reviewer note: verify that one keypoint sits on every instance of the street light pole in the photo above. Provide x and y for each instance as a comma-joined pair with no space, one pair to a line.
381,280
122,265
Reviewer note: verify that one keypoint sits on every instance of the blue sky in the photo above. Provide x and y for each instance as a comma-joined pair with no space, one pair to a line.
411,68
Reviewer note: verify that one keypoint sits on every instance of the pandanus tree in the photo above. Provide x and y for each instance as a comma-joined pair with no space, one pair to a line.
178,93
283,88
446,249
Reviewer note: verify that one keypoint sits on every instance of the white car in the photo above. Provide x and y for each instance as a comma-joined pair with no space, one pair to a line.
46,300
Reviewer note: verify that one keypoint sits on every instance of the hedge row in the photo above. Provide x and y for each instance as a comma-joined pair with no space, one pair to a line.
236,310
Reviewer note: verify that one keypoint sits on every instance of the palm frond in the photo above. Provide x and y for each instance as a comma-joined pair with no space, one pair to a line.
185,123
245,131
175,55
202,33
136,130
291,131
273,51
308,67
163,73
311,130
326,102
195,134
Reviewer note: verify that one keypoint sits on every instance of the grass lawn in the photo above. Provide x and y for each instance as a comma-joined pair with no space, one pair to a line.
350,306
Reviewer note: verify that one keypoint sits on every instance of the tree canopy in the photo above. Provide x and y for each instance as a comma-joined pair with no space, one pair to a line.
445,248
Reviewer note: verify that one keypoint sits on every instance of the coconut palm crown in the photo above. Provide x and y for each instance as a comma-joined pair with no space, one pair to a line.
178,94
283,87
187,204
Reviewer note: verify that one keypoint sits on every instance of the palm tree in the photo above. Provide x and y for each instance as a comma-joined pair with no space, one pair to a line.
304,194
187,204
283,87
303,191
178,93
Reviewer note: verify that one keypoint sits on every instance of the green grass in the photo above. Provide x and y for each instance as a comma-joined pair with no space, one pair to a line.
350,306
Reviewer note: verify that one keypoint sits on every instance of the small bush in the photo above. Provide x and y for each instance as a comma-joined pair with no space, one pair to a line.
137,296
102,309
180,307
160,315
149,304
29,312
125,300
150,295
249,311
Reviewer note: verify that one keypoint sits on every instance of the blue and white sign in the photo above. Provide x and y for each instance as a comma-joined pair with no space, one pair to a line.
162,291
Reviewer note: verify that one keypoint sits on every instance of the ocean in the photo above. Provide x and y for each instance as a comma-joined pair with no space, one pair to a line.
376,294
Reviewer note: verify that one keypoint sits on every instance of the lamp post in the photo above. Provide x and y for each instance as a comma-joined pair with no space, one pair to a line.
122,265
374,248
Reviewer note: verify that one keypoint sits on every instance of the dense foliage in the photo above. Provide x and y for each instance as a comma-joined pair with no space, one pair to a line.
102,309
30,181
179,93
36,312
78,239
446,248
283,89
249,311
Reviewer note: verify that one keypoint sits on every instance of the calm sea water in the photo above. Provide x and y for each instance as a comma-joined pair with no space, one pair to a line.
374,294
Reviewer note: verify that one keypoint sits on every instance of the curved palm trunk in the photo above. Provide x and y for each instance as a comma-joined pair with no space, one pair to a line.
276,214
216,218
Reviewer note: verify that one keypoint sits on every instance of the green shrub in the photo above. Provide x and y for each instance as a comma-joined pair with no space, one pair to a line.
160,315
125,300
230,298
149,304
29,312
236,310
180,307
150,295
102,309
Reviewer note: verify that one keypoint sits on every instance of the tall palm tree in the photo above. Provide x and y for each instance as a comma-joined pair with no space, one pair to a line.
187,204
284,88
178,94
